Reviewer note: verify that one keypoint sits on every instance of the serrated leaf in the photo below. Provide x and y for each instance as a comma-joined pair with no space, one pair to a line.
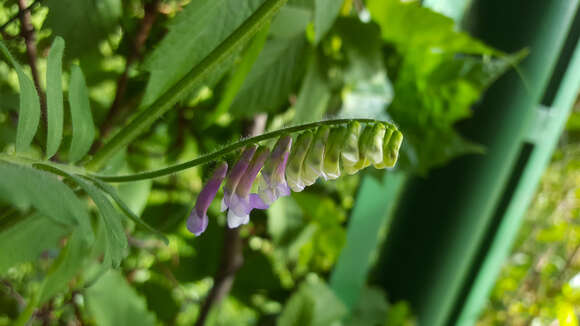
193,34
272,77
68,264
325,13
26,240
81,117
29,111
25,187
82,23
112,301
54,100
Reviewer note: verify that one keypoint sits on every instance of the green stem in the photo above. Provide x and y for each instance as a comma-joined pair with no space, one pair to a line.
224,151
28,311
195,76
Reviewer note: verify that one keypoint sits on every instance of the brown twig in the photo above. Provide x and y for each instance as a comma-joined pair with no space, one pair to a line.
27,31
232,258
13,18
151,11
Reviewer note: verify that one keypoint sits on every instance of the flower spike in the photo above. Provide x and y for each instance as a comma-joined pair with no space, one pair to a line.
272,180
197,221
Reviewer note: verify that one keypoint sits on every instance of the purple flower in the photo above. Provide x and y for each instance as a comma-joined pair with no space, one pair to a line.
236,174
197,221
272,180
242,202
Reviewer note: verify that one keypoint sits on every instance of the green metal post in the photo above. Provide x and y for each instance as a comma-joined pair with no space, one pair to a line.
549,129
443,224
370,217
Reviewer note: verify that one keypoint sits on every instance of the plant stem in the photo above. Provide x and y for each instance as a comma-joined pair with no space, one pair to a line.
224,151
193,78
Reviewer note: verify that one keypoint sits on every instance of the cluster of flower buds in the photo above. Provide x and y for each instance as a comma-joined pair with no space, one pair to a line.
261,176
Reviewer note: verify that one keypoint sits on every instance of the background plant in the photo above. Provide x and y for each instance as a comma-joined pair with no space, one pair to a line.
156,84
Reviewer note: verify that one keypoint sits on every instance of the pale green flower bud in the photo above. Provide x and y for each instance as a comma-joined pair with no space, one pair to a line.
371,145
297,156
312,166
391,148
388,133
350,152
332,151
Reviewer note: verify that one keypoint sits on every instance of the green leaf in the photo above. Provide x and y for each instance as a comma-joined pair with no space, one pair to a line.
193,34
236,81
429,30
29,112
314,304
68,264
325,13
81,116
314,95
115,239
26,240
108,189
54,104
272,77
25,187
112,301
290,22
82,23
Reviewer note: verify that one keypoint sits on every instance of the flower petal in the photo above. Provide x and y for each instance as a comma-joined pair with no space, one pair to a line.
197,220
237,173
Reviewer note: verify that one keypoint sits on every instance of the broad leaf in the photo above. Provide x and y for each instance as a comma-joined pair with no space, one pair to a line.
29,111
237,79
54,104
314,95
82,23
272,77
26,240
25,187
81,116
112,301
325,13
193,34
